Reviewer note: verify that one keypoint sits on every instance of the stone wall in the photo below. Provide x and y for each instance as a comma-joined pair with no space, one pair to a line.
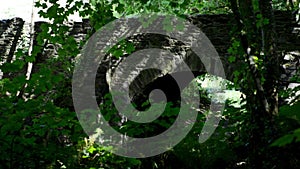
10,31
216,27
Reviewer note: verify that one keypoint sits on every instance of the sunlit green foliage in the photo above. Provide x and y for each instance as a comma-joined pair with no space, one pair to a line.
42,131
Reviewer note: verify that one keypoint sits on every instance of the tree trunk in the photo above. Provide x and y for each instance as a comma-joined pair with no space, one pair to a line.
258,39
271,57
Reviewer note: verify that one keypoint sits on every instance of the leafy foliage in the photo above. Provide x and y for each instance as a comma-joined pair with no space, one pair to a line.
39,128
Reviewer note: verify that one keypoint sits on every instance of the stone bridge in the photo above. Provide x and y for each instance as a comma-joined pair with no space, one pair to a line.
14,32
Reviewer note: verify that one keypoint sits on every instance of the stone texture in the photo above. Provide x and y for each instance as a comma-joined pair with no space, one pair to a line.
216,27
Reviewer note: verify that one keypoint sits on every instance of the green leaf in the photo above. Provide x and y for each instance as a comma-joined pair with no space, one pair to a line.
258,16
297,134
231,59
236,44
291,111
129,48
52,11
266,21
117,53
282,141
92,149
236,73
